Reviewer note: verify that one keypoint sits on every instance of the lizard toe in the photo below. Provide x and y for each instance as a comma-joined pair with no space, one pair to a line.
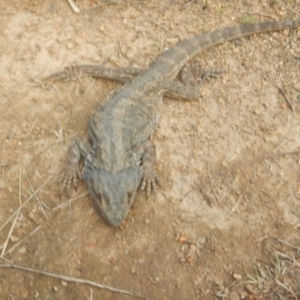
68,178
150,184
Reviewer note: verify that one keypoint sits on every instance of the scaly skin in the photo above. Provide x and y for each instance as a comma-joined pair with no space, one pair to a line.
117,154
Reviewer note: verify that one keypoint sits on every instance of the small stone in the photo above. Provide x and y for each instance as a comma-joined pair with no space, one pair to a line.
55,288
64,283
147,221
237,276
14,239
249,288
233,296
224,164
182,239
123,50
133,270
70,46
271,139
22,250
172,40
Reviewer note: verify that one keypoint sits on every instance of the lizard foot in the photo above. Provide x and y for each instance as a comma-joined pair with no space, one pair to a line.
210,74
69,177
150,179
150,182
193,74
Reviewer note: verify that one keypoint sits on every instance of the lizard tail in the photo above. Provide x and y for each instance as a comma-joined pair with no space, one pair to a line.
170,62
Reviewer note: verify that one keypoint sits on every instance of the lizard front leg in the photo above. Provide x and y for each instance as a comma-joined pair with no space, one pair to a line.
150,179
71,172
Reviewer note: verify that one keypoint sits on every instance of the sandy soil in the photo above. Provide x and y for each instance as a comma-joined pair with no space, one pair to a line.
225,224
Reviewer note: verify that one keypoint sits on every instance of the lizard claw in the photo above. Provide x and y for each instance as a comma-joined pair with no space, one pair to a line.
150,183
69,177
150,179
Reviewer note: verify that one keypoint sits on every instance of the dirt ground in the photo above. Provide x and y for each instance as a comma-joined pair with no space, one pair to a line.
226,222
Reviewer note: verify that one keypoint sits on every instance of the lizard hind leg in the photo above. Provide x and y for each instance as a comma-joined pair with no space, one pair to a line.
192,77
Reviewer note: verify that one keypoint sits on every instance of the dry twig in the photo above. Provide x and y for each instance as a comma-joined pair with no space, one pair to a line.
37,198
16,218
286,243
7,264
74,7
21,241
27,200
66,203
283,93
235,205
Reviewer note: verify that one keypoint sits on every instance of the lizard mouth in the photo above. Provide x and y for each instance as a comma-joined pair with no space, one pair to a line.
114,213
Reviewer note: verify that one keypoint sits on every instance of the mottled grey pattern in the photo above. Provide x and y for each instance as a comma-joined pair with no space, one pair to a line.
118,155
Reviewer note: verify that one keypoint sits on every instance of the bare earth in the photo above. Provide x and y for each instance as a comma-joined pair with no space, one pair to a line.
225,224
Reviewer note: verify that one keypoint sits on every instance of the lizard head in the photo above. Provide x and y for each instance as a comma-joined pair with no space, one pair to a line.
113,193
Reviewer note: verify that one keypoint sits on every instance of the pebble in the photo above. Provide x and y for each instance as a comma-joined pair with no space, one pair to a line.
249,288
70,45
183,239
133,270
64,283
237,276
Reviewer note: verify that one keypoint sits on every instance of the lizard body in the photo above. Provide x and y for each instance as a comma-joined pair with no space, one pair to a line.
118,155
